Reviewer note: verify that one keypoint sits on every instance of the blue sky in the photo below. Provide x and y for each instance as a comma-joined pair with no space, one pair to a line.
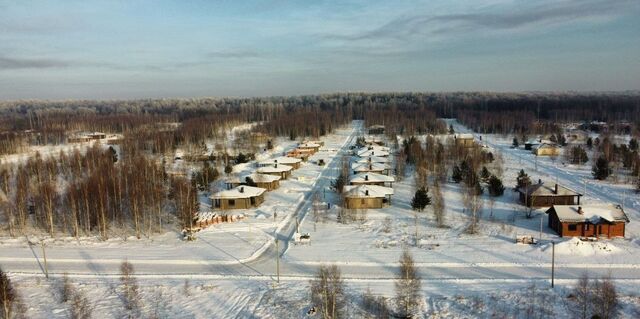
138,49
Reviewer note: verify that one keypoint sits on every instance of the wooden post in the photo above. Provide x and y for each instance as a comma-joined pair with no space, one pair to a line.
553,262
44,256
277,260
540,227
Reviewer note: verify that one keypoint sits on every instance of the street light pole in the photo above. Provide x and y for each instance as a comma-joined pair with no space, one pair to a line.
553,262
44,256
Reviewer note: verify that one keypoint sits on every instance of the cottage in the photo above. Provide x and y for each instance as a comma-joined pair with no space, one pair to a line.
600,220
541,195
373,150
268,182
241,197
300,153
464,140
289,161
367,196
284,171
531,144
370,140
376,129
370,168
372,179
321,143
546,149
309,146
373,159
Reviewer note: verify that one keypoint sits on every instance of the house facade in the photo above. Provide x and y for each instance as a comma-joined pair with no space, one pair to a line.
367,196
241,197
603,220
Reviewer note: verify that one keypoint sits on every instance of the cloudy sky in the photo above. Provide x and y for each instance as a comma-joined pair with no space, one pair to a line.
136,49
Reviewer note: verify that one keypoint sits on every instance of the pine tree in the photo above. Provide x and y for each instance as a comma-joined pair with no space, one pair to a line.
408,286
495,186
420,200
589,142
601,169
515,142
456,174
484,174
451,130
523,179
228,169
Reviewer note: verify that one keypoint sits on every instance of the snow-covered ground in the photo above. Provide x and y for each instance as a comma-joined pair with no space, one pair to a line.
231,267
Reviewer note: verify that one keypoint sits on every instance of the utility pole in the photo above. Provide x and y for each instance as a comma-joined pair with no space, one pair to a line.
553,261
415,216
277,260
585,187
44,256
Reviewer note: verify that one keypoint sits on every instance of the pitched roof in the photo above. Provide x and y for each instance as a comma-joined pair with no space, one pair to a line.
373,151
256,177
373,159
367,191
591,213
463,136
277,168
541,189
280,160
371,177
368,167
309,145
239,192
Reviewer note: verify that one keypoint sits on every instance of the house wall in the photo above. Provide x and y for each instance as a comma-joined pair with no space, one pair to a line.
268,185
548,151
548,201
466,142
363,203
583,229
240,203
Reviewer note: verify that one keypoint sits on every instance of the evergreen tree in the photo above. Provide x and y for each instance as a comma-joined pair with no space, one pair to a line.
249,181
577,155
601,169
228,169
420,200
589,142
456,174
523,179
484,174
515,142
241,158
451,131
495,186
633,144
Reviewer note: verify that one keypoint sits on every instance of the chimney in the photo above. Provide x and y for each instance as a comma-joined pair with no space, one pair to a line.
275,161
242,189
539,181
580,210
275,166
555,189
370,167
366,177
366,192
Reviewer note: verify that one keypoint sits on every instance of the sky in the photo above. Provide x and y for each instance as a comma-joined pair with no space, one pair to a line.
121,49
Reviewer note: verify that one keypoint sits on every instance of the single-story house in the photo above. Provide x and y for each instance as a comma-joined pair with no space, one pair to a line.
546,149
300,153
373,159
268,182
370,140
321,143
373,150
542,195
284,171
241,197
372,179
464,140
376,129
309,146
289,161
599,220
366,196
370,168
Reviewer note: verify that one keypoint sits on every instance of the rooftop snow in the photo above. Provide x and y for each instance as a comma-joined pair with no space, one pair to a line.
281,160
592,213
240,192
371,177
278,168
367,191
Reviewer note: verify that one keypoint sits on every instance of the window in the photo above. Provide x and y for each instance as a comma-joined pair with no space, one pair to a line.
586,226
232,202
573,227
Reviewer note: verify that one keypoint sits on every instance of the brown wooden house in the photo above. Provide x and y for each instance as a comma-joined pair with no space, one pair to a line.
289,161
284,171
464,140
601,220
366,196
241,197
541,195
268,182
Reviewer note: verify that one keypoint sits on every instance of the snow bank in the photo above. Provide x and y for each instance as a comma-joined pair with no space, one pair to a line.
575,246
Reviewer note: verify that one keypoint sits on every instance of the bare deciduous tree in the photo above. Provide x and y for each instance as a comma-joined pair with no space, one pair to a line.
130,288
408,286
327,291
